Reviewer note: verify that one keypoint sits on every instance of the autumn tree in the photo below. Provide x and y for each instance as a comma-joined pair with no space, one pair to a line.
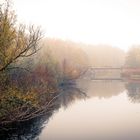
70,57
133,57
16,41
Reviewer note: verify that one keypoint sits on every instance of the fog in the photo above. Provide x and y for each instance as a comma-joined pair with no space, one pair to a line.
83,55
69,69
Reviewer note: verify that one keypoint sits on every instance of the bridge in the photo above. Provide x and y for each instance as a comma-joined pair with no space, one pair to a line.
104,73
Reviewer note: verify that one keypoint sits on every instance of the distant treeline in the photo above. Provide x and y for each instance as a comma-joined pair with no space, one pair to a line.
85,55
93,55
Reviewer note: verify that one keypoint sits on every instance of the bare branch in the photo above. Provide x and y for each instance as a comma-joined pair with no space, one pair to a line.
16,42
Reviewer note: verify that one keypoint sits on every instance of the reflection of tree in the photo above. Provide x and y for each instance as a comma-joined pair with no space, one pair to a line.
102,89
133,91
31,129
24,131
69,95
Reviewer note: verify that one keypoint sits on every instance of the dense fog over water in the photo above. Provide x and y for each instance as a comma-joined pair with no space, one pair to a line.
69,70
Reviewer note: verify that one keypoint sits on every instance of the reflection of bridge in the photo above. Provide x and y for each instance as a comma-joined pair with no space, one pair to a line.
105,73
113,73
137,69
106,68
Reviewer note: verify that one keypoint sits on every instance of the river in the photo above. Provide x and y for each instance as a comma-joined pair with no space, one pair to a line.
111,111
97,110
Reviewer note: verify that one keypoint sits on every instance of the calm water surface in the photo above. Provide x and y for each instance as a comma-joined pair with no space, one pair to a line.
111,111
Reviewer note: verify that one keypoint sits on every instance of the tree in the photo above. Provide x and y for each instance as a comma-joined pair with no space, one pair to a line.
133,57
16,41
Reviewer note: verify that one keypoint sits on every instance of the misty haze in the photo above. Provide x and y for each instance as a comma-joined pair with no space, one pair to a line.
69,70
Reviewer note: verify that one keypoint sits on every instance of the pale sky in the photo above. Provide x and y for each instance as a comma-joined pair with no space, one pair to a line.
112,22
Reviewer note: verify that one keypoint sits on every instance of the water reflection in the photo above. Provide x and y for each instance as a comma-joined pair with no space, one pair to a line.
133,91
103,116
69,95
105,89
31,130
107,113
